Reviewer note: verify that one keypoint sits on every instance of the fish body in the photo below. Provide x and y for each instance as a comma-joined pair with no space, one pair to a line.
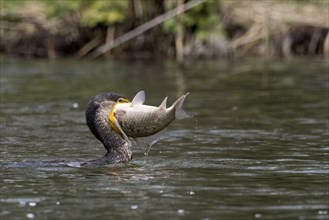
136,120
143,120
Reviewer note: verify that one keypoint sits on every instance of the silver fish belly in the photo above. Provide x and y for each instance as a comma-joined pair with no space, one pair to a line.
142,120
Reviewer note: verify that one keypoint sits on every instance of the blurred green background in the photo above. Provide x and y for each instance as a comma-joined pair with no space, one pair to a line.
211,28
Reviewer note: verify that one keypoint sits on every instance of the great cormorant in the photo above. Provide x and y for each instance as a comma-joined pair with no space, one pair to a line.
98,120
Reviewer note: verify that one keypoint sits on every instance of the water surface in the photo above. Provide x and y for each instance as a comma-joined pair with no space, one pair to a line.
256,148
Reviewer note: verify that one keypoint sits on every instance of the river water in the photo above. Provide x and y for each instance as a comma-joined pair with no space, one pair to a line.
255,148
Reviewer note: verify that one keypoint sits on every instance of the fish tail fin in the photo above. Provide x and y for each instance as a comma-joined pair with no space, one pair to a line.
179,112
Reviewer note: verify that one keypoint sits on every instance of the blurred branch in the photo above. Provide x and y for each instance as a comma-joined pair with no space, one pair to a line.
144,27
89,46
179,45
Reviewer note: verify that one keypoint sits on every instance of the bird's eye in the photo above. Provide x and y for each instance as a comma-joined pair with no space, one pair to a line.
122,100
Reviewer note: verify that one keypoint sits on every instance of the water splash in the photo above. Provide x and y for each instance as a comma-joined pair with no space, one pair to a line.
196,127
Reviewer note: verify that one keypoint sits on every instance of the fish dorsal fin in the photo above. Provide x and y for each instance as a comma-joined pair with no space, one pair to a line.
147,142
163,104
139,99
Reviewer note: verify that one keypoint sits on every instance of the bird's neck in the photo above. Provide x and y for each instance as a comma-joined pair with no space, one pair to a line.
118,149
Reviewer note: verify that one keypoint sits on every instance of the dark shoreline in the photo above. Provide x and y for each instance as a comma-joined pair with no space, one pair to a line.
225,31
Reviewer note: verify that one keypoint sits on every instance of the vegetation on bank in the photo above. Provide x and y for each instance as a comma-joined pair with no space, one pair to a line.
48,28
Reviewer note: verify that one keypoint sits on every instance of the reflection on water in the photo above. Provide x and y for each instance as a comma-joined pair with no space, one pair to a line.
256,148
180,81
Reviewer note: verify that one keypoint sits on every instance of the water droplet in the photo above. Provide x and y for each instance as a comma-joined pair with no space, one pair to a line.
195,128
75,105
161,191
235,108
30,215
322,212
32,204
22,203
134,207
181,211
258,215
192,193
57,203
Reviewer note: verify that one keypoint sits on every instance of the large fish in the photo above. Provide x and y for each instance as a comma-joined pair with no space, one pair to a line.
144,122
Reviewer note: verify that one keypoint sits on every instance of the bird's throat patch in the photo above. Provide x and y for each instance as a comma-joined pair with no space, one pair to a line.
111,120
111,116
